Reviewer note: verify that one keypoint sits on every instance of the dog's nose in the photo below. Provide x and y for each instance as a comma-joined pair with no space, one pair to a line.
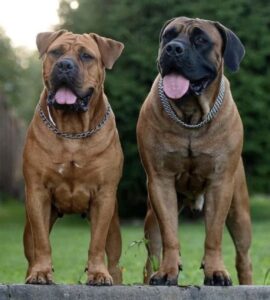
175,48
65,65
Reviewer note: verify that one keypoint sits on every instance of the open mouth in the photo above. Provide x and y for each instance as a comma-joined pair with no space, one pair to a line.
198,86
176,86
65,98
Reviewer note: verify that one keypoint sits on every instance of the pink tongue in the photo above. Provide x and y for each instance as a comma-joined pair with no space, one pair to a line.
65,96
175,86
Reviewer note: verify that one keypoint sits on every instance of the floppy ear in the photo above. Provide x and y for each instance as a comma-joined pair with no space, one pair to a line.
109,49
44,39
233,49
163,27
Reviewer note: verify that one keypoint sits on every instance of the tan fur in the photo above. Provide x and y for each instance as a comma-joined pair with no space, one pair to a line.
74,176
201,162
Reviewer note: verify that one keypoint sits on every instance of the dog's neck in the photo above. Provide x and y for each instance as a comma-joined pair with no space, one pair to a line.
193,109
69,121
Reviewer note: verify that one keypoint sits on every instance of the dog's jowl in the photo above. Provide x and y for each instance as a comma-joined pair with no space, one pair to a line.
190,138
72,156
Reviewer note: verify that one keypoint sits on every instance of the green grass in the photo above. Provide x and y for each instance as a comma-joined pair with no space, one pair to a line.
70,239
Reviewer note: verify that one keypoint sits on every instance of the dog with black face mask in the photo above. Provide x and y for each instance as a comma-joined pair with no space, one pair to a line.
190,138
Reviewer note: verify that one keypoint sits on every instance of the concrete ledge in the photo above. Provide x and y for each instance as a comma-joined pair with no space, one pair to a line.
135,292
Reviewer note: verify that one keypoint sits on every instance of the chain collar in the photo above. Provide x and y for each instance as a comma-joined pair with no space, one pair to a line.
171,113
71,135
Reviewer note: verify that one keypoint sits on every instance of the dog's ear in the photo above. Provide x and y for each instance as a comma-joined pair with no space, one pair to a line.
109,49
163,27
233,49
44,39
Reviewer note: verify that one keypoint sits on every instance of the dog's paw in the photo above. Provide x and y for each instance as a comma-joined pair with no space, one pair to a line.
219,278
164,278
39,277
99,278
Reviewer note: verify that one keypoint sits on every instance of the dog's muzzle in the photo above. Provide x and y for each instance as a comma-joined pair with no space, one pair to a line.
183,70
65,87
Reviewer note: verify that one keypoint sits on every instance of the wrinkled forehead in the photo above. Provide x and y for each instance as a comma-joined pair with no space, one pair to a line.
185,25
73,41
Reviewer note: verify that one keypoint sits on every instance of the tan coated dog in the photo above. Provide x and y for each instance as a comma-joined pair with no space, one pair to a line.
73,159
190,138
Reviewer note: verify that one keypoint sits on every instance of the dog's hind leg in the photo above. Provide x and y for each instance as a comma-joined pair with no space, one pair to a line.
153,244
114,248
239,225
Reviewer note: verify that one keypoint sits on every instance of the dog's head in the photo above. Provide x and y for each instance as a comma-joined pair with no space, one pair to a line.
74,66
192,52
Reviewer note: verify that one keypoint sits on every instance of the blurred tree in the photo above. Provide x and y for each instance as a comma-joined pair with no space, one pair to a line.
20,77
9,71
20,86
11,128
137,25
29,83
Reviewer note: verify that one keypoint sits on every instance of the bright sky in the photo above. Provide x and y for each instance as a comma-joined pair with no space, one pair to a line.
23,19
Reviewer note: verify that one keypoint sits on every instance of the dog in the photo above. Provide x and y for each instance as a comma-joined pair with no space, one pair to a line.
190,139
72,161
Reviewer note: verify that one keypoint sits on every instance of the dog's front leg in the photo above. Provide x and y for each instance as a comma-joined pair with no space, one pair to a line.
38,210
163,199
101,213
217,204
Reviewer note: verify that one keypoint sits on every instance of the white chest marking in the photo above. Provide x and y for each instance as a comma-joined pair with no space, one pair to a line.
199,202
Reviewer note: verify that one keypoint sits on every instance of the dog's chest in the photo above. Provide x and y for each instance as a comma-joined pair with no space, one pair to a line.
73,186
193,169
193,174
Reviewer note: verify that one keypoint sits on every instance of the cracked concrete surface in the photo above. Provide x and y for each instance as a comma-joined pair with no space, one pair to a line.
134,292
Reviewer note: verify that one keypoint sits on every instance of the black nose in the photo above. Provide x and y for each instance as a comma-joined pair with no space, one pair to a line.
65,65
175,48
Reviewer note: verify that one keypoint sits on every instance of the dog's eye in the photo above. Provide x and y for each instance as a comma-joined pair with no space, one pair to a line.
200,40
86,56
169,35
56,52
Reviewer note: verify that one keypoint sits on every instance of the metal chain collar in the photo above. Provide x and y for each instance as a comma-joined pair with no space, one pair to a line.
71,135
171,113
